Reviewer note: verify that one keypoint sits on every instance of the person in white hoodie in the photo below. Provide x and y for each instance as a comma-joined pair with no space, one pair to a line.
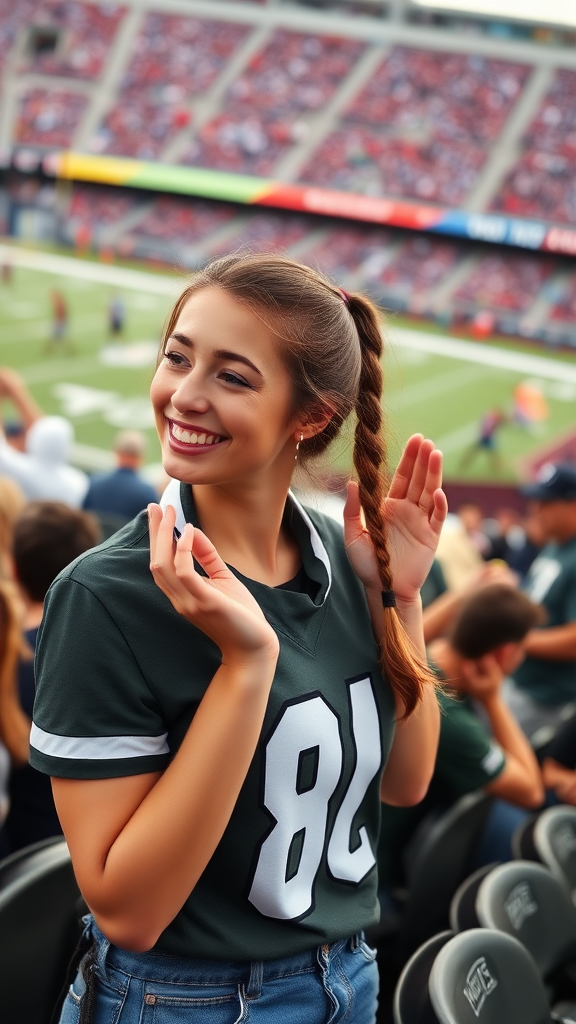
42,470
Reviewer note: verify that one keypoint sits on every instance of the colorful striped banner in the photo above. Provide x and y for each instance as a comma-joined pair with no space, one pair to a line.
252,191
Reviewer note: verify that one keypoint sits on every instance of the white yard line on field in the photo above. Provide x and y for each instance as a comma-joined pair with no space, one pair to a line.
521,363
103,273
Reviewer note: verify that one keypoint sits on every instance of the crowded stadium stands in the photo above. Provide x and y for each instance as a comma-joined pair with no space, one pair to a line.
501,282
86,32
421,115
174,58
292,76
542,184
49,117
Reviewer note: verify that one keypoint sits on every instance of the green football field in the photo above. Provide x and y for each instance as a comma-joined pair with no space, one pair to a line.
438,385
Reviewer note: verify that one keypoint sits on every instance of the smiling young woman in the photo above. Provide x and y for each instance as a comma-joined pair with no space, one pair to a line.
230,685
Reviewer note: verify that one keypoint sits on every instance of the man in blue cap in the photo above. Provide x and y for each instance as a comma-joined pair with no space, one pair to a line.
546,681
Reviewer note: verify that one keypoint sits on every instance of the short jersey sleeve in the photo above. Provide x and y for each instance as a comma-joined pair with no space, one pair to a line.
468,758
95,716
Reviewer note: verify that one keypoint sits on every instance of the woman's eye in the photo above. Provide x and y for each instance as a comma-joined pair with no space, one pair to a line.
234,378
175,358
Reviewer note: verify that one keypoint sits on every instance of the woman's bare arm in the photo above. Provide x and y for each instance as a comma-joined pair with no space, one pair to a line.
415,510
140,844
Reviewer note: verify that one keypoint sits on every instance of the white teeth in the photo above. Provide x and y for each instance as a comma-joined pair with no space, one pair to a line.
190,437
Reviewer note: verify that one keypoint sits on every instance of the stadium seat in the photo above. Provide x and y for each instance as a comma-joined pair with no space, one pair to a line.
488,976
526,901
443,858
15,864
38,933
411,999
463,906
523,840
555,843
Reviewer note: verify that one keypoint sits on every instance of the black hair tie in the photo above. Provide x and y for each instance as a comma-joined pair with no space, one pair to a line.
388,599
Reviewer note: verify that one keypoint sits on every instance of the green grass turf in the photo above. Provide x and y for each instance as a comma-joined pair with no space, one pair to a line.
442,397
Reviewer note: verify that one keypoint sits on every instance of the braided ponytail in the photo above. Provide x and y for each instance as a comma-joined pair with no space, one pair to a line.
406,671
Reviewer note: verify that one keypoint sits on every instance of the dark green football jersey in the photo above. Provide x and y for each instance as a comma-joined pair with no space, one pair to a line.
119,676
551,581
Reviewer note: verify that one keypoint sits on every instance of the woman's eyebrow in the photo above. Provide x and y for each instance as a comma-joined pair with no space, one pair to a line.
220,353
224,354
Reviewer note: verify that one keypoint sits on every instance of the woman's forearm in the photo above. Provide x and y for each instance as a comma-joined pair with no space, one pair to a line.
413,754
144,873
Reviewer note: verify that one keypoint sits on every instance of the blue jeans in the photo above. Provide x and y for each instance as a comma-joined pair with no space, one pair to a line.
325,985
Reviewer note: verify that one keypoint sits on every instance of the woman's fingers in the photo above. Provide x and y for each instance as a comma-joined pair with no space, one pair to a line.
432,480
205,553
353,525
420,474
439,511
163,557
154,520
403,475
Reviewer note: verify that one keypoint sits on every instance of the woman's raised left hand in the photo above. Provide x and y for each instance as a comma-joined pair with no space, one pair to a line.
415,509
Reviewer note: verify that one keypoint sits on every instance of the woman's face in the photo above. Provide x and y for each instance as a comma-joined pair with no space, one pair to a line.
222,396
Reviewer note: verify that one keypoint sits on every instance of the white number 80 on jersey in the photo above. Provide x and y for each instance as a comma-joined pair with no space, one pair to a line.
291,853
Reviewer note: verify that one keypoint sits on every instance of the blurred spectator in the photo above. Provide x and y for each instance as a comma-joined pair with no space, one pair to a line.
59,336
440,612
12,502
12,647
484,644
488,428
547,679
15,433
42,471
462,545
122,492
524,550
434,585
559,764
116,315
47,537
86,34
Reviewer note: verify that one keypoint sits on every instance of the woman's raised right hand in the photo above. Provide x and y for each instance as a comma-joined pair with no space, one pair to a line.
218,604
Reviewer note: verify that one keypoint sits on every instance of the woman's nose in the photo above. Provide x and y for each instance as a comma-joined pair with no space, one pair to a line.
191,395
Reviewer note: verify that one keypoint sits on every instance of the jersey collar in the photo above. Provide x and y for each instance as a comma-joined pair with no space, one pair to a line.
302,526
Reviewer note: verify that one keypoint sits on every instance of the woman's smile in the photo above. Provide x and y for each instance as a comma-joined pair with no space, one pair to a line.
190,439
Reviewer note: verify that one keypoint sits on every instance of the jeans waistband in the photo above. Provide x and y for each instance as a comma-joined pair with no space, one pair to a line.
168,969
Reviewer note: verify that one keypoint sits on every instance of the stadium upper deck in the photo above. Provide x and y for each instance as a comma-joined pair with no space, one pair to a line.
314,100
361,104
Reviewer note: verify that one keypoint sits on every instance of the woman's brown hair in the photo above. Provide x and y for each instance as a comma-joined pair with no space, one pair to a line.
332,345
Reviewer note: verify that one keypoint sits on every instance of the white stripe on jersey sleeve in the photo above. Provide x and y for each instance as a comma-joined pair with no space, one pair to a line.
97,748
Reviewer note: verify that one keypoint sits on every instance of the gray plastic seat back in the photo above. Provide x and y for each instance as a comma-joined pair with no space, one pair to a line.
555,842
38,933
16,864
411,999
463,906
443,860
526,901
487,977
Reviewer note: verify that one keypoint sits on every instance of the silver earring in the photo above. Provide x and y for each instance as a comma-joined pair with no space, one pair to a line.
298,443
